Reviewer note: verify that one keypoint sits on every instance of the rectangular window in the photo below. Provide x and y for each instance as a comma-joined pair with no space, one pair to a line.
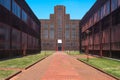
95,17
37,43
29,41
51,26
119,3
45,26
24,40
24,16
67,34
29,21
6,3
73,26
51,35
15,39
102,12
37,28
31,45
67,26
4,36
91,21
34,25
59,29
73,34
33,42
59,20
114,4
99,14
107,10
16,8
45,34
59,35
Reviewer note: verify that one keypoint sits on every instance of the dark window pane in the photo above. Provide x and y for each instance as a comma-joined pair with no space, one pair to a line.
67,34
15,39
5,3
16,8
24,16
51,35
114,4
4,36
45,34
24,40
119,3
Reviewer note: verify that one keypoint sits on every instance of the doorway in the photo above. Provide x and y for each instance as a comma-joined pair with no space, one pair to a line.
59,43
59,48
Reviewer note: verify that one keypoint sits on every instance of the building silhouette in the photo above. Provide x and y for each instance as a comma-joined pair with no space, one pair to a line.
59,32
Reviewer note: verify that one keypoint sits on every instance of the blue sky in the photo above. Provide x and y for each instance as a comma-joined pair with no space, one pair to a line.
76,8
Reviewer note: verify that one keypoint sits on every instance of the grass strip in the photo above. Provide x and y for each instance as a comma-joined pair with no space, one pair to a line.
108,65
73,52
4,74
23,62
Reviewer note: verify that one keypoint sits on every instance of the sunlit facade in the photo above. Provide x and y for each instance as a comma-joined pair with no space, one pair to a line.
59,27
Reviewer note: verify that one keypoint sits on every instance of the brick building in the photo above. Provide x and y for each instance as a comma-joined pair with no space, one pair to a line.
101,29
19,28
59,32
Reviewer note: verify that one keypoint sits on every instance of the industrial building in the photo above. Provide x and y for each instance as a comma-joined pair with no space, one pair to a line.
100,29
19,29
59,32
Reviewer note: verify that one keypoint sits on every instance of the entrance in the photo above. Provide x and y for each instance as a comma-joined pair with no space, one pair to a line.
59,43
59,47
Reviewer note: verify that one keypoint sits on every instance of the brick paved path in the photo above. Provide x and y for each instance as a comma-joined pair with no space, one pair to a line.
61,66
61,69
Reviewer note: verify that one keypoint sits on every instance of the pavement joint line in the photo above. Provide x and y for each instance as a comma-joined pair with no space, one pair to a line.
99,69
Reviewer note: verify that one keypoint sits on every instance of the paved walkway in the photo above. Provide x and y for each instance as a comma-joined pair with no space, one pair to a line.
61,66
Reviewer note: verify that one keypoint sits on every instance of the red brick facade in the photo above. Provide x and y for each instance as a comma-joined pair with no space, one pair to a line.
59,27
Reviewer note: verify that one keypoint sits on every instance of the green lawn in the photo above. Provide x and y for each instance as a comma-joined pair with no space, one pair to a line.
73,52
47,52
108,65
23,62
5,74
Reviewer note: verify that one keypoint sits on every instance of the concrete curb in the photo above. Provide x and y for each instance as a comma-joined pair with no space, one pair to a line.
13,75
99,69
35,63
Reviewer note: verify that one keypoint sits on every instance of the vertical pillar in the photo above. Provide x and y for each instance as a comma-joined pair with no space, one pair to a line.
93,40
80,39
10,39
101,54
110,44
110,53
88,39
10,48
